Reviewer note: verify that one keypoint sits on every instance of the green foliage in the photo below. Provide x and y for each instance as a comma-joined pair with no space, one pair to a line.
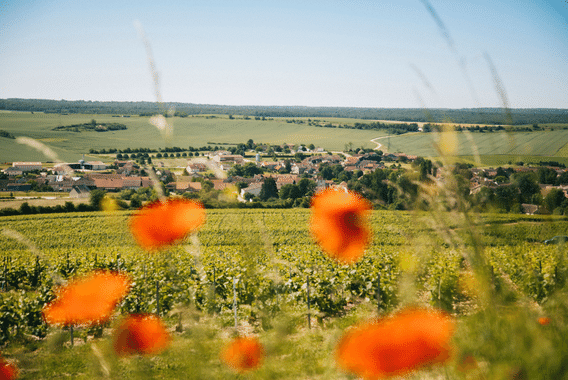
95,198
268,189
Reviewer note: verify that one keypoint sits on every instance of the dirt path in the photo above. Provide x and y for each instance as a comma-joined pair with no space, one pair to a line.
379,145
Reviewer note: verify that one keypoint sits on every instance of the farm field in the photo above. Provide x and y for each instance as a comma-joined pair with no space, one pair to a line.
549,144
492,148
189,131
414,258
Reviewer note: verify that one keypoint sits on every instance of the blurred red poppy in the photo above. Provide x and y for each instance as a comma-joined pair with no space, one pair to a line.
339,224
141,334
7,371
161,224
396,345
87,300
544,321
243,354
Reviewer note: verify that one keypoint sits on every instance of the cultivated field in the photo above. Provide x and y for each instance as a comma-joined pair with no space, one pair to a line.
547,144
414,259
190,131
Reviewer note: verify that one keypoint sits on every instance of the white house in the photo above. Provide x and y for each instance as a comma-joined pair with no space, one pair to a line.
253,188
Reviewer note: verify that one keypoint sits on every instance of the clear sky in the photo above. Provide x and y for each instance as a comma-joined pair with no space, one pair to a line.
404,53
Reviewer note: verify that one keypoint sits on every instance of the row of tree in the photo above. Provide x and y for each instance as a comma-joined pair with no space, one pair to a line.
464,116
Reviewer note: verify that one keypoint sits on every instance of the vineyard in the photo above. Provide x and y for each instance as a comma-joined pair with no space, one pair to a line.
271,258
249,267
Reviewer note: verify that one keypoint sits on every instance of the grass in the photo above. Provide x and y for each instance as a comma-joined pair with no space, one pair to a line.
542,143
190,131
495,160
493,148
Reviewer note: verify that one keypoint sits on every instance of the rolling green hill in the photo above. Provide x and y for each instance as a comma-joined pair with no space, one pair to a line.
491,148
190,131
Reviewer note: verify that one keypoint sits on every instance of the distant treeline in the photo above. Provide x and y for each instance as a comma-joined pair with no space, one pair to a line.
7,135
465,115
392,128
93,126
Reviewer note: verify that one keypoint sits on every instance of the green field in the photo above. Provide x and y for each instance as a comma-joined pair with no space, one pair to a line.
492,148
190,131
548,144
416,256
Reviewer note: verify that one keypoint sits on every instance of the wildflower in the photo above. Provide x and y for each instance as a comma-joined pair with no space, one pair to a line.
141,334
339,224
87,300
543,321
397,345
243,354
7,371
163,223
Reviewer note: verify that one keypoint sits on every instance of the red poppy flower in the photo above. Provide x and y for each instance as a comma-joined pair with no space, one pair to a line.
339,224
87,300
163,223
243,354
7,371
544,321
396,345
141,334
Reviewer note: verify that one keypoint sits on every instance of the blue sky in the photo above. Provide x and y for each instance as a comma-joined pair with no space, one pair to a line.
272,52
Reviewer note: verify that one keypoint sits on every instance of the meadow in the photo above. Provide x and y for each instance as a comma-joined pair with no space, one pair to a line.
494,148
497,148
189,131
266,263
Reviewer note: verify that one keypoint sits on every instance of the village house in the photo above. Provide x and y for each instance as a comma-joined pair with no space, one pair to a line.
117,182
184,186
253,189
233,158
79,192
27,166
126,167
193,168
220,184
13,171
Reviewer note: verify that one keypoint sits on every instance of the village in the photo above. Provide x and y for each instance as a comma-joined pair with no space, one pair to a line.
245,174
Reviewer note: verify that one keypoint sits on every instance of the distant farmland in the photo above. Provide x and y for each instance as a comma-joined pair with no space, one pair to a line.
497,148
189,131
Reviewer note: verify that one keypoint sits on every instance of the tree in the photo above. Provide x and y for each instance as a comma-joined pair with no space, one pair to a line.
546,175
25,208
506,197
554,199
250,169
290,191
326,172
268,189
135,202
562,179
69,206
527,184
95,198
236,170
306,187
